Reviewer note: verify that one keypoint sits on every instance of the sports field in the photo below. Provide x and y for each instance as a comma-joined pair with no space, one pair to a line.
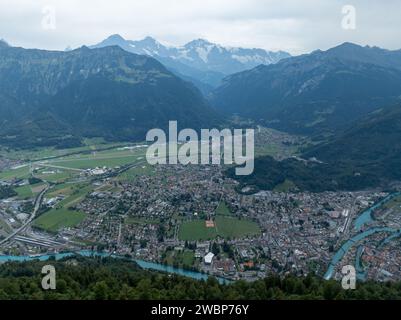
228,227
225,227
196,230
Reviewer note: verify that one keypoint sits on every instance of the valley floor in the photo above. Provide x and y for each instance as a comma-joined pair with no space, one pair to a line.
107,198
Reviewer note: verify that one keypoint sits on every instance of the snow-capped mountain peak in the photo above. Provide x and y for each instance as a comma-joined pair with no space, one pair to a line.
198,43
198,58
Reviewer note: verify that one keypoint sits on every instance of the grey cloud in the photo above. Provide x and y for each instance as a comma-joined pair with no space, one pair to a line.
292,25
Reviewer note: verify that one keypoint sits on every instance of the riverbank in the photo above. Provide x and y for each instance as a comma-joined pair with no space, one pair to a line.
364,218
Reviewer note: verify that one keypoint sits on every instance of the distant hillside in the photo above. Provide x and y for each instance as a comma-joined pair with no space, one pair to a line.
372,144
368,154
51,97
202,62
298,175
367,54
315,93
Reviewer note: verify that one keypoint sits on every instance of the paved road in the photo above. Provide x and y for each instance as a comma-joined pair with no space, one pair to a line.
57,167
38,202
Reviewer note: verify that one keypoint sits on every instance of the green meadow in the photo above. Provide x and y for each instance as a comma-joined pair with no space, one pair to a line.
56,219
225,227
19,173
133,173
108,158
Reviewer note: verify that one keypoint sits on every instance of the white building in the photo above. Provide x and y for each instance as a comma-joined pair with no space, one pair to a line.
208,258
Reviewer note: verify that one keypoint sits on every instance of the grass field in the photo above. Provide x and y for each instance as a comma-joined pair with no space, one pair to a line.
56,219
24,192
196,230
29,191
75,194
62,189
88,158
62,216
266,150
108,158
133,173
41,153
235,228
57,176
225,227
285,186
185,258
19,173
223,210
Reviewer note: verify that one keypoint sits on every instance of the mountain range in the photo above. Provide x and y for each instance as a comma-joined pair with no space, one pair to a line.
347,98
54,97
315,93
200,61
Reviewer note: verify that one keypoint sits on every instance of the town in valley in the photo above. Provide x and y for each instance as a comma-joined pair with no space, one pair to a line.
107,198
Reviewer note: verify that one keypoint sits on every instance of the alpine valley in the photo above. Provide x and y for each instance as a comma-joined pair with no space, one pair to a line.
56,98
77,187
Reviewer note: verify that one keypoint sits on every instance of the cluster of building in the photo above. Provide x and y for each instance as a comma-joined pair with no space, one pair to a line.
300,231
300,234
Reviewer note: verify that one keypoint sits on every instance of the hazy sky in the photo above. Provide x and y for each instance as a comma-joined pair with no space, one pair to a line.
292,25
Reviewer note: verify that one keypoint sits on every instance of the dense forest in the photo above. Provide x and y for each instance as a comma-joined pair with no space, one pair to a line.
312,176
108,278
